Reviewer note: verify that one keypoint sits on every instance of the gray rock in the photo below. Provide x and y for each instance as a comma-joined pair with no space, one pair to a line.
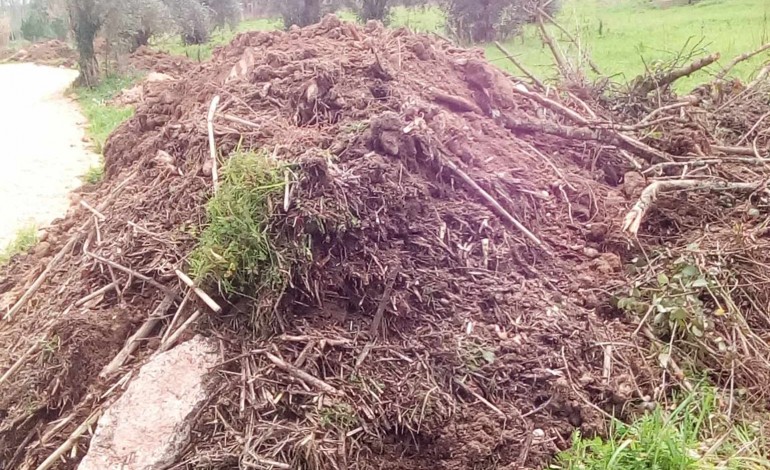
149,425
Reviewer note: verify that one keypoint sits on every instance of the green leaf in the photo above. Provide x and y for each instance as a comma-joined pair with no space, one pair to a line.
488,356
677,314
662,279
690,271
700,282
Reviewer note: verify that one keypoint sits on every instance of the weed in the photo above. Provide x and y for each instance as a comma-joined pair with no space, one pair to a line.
340,416
690,435
235,250
95,173
25,238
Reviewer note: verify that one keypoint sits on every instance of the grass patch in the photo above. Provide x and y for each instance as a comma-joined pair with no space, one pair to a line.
25,239
235,250
693,434
102,117
94,174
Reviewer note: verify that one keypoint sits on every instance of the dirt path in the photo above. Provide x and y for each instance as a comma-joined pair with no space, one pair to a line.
42,153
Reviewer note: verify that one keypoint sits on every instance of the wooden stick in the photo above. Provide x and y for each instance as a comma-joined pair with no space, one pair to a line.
302,375
481,399
144,331
739,59
126,270
199,292
21,361
454,102
212,143
574,41
647,84
734,150
166,345
487,197
553,106
561,62
98,214
67,445
96,293
375,326
518,65
238,120
177,314
633,219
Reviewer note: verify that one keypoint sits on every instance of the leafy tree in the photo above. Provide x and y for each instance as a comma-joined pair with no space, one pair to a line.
474,21
300,12
372,9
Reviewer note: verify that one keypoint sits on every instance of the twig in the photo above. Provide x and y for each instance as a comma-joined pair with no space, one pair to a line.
302,375
143,332
496,205
375,326
553,106
212,143
176,316
649,83
748,151
634,217
199,292
481,399
21,361
126,270
753,128
739,59
669,107
169,342
454,102
67,445
98,214
238,120
96,293
561,62
519,66
574,41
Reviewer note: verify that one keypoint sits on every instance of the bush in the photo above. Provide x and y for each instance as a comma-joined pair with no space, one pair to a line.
300,12
224,12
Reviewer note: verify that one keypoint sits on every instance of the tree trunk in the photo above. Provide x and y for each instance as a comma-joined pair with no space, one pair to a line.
85,21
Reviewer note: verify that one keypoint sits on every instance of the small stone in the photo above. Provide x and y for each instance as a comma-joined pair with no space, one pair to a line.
42,249
592,253
538,433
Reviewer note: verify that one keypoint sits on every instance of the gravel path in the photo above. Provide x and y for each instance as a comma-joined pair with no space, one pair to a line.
42,152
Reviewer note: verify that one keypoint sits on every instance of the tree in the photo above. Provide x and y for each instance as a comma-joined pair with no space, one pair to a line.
300,12
372,9
474,21
86,17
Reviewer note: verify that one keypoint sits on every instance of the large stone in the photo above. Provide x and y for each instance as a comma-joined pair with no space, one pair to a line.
149,425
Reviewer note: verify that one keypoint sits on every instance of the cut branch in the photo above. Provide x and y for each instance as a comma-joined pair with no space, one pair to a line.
302,375
738,59
653,82
519,66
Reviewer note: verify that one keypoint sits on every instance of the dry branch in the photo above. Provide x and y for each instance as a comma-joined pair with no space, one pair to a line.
96,293
738,59
649,83
454,102
21,361
519,66
144,331
199,292
302,375
169,342
212,143
591,63
67,445
561,62
375,326
634,218
126,270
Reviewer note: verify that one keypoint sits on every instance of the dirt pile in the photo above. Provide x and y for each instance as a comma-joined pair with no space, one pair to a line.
145,59
443,244
53,52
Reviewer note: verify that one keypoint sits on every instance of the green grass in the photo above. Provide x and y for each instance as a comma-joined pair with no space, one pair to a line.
25,239
622,35
235,250
692,435
102,117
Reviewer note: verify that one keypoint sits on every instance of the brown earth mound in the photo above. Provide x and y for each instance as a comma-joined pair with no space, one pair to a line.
53,52
145,59
442,258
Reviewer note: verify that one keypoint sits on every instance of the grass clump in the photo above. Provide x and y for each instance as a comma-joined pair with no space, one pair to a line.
95,174
693,435
236,250
25,239
102,117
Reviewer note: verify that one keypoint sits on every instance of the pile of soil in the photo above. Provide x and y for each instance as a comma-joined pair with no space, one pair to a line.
52,52
449,257
145,59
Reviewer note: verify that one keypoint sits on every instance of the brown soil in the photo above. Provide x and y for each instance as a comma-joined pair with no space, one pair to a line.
53,52
147,60
493,348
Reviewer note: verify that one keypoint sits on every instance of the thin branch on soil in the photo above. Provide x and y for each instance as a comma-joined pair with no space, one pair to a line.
633,219
71,441
732,150
212,143
519,66
374,329
96,293
552,105
126,270
176,316
454,102
98,214
238,120
591,63
496,205
561,62
654,82
142,333
21,361
199,292
169,342
483,400
302,375
738,59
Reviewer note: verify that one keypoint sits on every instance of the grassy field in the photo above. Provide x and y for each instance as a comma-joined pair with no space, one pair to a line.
622,35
